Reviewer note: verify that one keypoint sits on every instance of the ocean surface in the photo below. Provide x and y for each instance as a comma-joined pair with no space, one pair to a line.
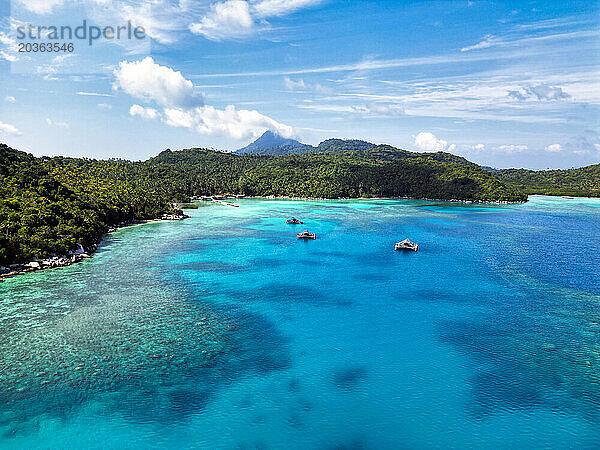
225,331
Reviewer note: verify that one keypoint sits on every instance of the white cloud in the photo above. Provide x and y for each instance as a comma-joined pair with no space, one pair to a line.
8,129
63,125
540,92
301,85
371,109
41,6
60,59
553,148
9,48
147,81
10,99
144,113
230,19
492,41
479,147
294,85
269,8
94,94
428,142
488,41
169,89
512,148
7,56
6,40
104,106
239,124
233,19
377,109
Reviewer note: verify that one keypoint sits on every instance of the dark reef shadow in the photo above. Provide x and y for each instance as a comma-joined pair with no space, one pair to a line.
140,383
349,377
523,363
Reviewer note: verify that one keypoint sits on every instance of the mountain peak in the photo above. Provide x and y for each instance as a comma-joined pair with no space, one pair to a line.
267,142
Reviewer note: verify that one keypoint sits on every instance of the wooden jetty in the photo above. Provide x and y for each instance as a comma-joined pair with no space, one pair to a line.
221,202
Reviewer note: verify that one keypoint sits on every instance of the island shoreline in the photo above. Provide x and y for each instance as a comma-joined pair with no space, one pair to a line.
59,261
73,257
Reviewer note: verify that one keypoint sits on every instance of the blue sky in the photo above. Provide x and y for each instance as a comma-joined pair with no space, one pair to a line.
507,84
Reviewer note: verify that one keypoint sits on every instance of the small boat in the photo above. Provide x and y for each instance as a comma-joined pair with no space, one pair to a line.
306,235
294,221
406,244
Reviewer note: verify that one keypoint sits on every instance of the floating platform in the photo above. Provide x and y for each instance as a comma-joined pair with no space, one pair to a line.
406,244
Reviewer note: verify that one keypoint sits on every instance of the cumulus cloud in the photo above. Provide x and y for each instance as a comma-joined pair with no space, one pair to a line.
237,123
230,19
8,129
553,148
479,147
428,142
148,81
542,91
144,113
10,99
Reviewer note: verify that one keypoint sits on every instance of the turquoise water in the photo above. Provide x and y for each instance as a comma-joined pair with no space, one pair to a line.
225,331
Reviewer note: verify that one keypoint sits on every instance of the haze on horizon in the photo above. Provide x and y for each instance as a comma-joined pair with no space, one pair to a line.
504,84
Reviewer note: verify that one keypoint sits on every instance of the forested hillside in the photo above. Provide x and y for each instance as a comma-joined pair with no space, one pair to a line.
381,172
38,215
584,181
48,205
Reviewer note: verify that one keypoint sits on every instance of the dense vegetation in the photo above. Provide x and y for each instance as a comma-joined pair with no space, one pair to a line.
48,205
381,171
39,215
584,181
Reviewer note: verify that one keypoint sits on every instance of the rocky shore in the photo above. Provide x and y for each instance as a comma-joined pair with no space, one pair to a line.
48,263
76,255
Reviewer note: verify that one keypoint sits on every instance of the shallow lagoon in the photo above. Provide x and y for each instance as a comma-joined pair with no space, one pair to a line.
225,331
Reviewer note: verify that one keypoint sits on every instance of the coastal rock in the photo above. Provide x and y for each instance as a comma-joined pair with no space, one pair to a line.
78,251
33,265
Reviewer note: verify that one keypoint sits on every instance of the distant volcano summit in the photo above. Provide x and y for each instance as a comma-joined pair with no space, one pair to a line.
271,143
